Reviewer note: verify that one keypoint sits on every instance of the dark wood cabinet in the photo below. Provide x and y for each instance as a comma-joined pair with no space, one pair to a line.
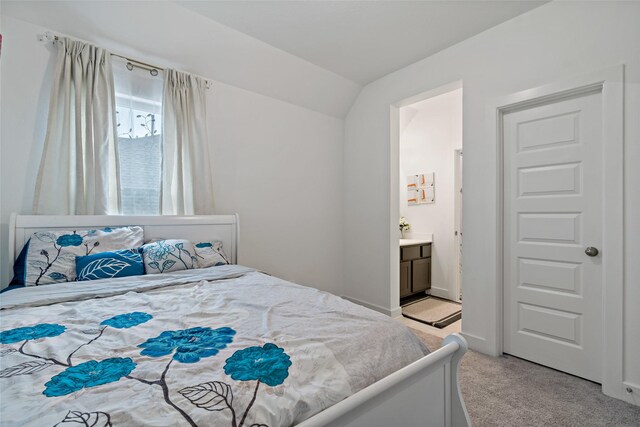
415,269
420,275
405,279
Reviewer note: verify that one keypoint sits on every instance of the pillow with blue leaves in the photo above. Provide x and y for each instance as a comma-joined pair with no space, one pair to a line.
109,265
165,256
51,255
210,254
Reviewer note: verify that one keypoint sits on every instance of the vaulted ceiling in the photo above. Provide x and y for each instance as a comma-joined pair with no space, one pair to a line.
361,40
313,54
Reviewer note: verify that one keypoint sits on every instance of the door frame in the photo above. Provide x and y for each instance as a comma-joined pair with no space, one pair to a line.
609,82
457,210
394,190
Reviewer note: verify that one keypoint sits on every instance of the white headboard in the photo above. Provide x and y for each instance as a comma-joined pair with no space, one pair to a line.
224,228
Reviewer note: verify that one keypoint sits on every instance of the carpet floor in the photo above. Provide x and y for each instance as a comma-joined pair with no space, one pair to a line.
508,391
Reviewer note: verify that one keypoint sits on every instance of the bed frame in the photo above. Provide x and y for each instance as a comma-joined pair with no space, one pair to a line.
425,393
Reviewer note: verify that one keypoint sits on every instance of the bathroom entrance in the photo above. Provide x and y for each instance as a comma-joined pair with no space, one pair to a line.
429,207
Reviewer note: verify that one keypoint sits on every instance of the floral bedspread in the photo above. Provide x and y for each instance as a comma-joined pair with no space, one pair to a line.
223,346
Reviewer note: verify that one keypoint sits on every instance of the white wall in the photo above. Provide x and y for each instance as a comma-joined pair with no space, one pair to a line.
277,164
164,31
427,144
553,42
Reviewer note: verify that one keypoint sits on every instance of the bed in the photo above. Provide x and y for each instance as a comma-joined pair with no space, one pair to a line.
225,345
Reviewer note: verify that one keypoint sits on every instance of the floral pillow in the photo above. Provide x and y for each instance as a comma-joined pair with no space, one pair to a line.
109,265
51,257
165,256
210,254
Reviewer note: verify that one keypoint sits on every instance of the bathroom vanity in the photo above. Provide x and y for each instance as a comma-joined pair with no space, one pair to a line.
415,266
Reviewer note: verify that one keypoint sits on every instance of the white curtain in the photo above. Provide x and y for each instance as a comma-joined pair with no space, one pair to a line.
79,171
187,186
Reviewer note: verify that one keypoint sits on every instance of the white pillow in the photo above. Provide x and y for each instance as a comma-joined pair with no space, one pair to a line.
210,254
165,256
51,257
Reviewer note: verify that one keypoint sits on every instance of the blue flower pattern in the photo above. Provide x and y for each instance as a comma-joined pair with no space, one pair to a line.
159,250
69,240
58,277
165,256
190,345
42,330
210,254
51,255
88,374
128,320
268,364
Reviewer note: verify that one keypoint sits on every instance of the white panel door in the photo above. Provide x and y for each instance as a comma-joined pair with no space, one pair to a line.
553,213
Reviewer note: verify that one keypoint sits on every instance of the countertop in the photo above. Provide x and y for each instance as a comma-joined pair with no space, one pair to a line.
411,242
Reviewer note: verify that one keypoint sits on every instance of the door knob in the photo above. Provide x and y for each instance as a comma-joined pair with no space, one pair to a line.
591,251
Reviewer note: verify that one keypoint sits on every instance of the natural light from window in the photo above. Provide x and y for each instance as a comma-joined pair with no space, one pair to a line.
139,124
140,153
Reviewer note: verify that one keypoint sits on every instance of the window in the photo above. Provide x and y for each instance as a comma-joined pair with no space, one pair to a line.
139,117
140,157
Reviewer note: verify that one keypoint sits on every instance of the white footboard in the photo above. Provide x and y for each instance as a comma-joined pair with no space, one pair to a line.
425,393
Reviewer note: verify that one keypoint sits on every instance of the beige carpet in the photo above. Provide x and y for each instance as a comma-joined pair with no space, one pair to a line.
433,311
507,392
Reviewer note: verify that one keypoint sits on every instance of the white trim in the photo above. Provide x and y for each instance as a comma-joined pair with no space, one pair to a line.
394,312
225,228
440,293
613,236
479,344
432,93
394,208
457,213
611,83
633,392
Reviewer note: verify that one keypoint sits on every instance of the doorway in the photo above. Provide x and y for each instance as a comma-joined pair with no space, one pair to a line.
429,170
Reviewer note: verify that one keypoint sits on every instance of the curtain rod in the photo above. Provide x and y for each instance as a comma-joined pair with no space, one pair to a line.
48,36
153,69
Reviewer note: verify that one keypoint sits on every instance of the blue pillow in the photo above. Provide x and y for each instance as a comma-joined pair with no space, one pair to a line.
108,265
20,267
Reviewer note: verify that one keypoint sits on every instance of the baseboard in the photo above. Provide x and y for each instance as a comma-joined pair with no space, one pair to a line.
628,392
478,344
439,292
631,393
394,312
